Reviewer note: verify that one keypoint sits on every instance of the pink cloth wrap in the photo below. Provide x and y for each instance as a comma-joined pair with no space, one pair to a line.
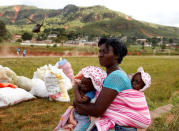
64,118
129,108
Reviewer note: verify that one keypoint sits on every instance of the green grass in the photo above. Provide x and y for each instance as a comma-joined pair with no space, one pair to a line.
42,114
169,121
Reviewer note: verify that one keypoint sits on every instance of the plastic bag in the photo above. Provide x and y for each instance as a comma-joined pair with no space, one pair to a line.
67,69
3,85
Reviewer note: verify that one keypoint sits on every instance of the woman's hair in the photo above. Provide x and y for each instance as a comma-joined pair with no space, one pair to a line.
118,47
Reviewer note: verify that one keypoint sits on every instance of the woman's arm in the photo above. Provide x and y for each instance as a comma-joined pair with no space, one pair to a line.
96,109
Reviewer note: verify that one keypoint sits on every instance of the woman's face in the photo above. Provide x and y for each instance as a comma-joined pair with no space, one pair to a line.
106,56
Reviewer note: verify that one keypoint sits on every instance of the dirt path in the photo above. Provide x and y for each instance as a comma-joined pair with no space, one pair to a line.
161,110
49,54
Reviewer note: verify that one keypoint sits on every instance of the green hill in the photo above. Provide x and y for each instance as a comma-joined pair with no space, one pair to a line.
95,20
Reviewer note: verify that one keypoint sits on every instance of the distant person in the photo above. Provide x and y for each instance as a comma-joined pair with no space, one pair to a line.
24,53
18,50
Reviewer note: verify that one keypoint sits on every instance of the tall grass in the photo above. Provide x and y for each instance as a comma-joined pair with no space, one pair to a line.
42,114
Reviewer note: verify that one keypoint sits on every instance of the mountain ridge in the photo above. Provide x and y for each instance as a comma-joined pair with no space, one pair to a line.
95,20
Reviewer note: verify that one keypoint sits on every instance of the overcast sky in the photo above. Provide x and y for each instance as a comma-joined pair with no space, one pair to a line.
164,12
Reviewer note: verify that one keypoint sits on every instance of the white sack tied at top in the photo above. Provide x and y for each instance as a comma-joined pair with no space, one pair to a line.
56,82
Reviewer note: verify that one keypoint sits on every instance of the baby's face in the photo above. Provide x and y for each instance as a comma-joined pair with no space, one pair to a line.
137,82
86,85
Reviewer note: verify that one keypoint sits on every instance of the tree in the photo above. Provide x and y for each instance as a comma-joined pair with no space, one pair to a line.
60,39
72,35
41,36
27,36
3,31
171,41
163,46
142,45
154,41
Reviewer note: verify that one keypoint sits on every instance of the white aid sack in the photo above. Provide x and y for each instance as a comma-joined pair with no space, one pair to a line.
7,75
24,83
55,85
66,80
40,74
11,96
39,88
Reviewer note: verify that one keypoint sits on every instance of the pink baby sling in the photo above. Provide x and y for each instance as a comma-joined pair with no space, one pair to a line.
129,108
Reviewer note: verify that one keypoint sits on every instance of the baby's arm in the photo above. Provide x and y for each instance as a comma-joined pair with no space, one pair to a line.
81,97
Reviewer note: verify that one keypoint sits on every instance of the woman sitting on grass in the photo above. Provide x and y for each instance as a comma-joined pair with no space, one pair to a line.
111,53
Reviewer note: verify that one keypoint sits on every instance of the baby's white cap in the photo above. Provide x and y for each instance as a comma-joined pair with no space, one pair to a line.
145,77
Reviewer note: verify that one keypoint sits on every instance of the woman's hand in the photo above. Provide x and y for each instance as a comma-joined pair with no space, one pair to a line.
96,109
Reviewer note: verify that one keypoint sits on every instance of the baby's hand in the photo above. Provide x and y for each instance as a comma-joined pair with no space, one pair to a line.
85,99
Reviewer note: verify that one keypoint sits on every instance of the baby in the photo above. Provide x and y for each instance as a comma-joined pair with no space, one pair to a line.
132,106
90,84
140,80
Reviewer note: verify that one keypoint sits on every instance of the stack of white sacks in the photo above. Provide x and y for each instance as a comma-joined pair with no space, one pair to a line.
47,82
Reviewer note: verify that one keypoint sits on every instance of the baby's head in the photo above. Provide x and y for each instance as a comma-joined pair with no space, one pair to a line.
141,80
91,78
86,85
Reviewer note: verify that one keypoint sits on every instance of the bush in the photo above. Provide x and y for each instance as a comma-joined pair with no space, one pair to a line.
47,46
27,36
54,45
19,40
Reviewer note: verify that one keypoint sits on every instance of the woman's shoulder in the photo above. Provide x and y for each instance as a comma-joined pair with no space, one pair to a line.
117,76
118,73
117,80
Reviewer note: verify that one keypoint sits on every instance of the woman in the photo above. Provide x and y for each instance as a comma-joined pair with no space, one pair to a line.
111,53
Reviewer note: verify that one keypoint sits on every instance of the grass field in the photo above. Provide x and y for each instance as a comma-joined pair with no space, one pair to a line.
42,114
